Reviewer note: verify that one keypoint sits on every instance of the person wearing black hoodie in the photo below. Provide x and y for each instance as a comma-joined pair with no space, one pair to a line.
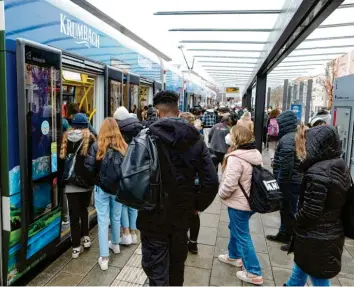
286,171
150,118
183,155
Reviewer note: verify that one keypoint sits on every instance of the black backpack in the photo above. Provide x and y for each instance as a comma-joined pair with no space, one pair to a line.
265,195
140,186
348,213
110,171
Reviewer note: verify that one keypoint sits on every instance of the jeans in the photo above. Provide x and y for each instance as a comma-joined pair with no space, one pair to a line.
164,257
129,216
299,278
240,244
194,228
78,203
108,210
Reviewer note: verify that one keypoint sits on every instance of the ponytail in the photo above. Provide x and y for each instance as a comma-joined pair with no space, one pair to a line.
300,141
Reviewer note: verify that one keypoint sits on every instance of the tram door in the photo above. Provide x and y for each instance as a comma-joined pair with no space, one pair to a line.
39,123
145,94
134,82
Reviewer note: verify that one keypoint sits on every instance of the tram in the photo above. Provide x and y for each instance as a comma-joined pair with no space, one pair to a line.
56,54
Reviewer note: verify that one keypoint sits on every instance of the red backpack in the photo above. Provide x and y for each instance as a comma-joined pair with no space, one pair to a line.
273,128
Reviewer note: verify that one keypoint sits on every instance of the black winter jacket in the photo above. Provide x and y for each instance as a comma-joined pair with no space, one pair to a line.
319,237
286,163
190,157
130,128
91,164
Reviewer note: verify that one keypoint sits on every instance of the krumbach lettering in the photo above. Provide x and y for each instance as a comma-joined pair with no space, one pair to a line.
78,31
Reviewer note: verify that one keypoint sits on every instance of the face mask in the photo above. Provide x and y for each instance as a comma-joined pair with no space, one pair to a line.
228,139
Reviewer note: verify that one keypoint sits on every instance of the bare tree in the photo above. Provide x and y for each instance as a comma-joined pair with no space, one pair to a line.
331,73
276,97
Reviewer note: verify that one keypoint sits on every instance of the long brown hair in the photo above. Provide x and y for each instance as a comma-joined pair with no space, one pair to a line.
300,141
239,135
110,136
87,137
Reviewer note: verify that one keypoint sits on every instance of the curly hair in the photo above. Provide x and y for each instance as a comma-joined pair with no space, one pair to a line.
300,141
189,117
87,137
110,136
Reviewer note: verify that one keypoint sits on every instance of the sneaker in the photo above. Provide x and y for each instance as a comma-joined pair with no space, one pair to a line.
193,247
285,247
250,278
76,252
280,237
86,241
103,262
65,222
226,259
134,239
115,247
126,239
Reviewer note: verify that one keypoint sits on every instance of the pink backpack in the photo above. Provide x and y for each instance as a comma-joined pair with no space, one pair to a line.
273,128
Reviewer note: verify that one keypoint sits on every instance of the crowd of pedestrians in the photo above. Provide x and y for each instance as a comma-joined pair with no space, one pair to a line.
192,147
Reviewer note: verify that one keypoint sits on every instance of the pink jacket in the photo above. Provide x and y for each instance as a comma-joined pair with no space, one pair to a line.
238,170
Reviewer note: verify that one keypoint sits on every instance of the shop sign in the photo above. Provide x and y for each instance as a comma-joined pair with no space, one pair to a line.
232,90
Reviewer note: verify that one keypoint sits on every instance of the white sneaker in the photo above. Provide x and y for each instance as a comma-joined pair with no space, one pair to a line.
226,259
126,239
103,262
86,241
76,252
134,239
115,247
250,278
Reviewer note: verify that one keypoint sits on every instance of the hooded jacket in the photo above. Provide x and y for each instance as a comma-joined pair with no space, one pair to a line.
217,136
130,128
188,157
238,171
286,163
84,179
151,117
319,235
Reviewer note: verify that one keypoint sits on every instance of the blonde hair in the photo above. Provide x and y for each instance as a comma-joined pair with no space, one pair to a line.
300,141
239,135
87,136
110,136
188,117
246,116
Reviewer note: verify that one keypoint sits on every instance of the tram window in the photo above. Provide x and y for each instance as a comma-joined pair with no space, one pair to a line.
115,96
134,97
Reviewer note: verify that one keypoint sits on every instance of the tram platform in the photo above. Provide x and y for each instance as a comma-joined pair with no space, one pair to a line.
203,269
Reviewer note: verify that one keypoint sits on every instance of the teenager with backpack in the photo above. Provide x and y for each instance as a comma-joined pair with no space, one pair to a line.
286,172
272,128
237,168
130,127
182,155
319,238
78,181
104,160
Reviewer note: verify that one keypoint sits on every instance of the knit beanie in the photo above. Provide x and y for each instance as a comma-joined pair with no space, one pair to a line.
80,121
121,114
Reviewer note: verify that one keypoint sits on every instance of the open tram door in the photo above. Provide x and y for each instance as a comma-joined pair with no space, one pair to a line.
114,93
145,94
342,117
36,209
83,85
130,90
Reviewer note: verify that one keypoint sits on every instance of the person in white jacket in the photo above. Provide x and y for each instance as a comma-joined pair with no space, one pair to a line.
237,168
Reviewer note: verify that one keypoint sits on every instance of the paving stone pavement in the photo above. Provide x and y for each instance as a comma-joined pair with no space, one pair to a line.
203,269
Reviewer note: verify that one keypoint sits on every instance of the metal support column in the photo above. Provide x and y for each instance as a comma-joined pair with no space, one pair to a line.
308,100
285,94
288,101
268,96
249,99
301,93
295,93
261,88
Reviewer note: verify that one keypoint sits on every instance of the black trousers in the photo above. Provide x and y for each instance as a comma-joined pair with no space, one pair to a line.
220,158
79,225
164,257
194,228
289,208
